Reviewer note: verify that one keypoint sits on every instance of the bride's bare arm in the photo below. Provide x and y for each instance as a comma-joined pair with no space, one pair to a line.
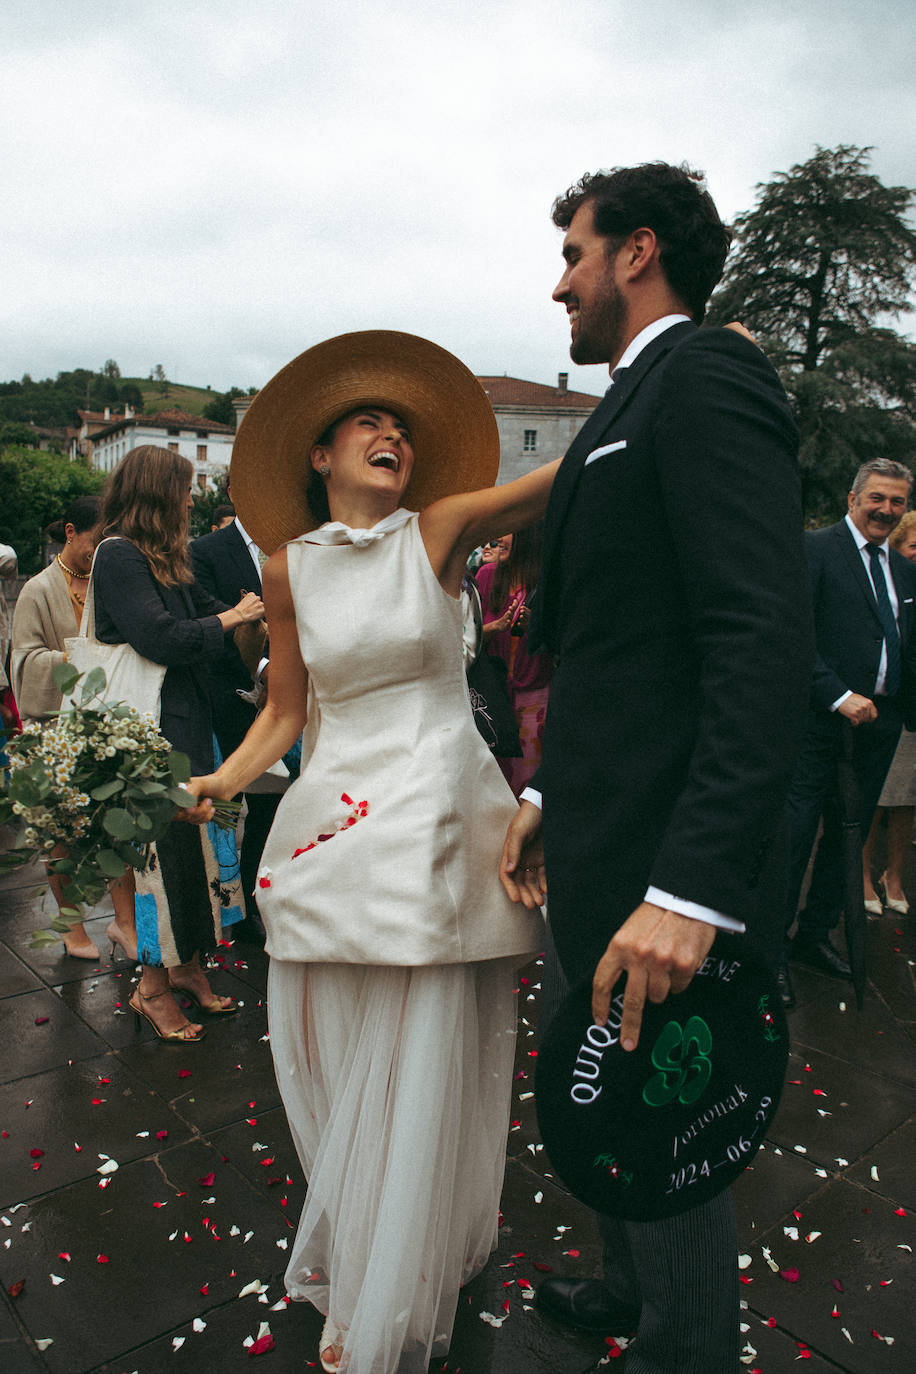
453,527
281,722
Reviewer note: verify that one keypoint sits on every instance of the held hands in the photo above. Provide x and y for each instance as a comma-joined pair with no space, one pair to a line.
660,952
521,868
858,710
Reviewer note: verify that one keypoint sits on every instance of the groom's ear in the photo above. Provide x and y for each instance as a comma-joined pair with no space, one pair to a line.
639,252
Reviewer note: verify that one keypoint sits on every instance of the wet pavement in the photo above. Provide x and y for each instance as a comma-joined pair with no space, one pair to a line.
150,1191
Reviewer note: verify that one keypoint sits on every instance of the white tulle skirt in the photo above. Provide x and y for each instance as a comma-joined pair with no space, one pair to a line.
396,1083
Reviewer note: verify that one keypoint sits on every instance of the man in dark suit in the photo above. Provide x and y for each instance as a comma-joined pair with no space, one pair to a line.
227,563
673,596
862,691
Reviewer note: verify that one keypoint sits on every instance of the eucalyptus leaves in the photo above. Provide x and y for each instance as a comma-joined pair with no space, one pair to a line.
94,787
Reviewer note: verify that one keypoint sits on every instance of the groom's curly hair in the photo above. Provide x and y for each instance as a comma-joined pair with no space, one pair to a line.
675,204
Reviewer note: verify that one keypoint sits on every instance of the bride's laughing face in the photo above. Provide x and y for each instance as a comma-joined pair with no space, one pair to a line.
370,448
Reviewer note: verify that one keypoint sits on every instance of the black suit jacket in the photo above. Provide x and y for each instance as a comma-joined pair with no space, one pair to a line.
847,625
674,595
224,567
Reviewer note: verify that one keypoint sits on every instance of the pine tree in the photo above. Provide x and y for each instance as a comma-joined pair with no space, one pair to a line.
820,268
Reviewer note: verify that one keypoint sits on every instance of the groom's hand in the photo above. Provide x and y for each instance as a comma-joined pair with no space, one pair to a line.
659,951
521,868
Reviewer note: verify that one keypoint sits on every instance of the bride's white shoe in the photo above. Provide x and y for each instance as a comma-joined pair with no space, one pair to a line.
330,1347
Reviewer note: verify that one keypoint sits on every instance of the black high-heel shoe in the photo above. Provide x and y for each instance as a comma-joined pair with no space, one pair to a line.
180,1035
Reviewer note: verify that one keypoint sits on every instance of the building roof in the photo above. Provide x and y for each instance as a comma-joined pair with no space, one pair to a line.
167,419
512,391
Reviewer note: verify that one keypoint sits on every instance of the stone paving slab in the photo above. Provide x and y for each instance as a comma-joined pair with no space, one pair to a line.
138,1268
218,1101
73,1116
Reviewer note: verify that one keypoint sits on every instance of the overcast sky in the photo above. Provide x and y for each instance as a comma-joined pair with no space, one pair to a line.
215,185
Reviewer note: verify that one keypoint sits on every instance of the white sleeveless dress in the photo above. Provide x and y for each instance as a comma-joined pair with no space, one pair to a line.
393,950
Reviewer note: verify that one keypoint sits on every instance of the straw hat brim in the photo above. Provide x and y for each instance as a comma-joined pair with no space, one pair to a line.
452,426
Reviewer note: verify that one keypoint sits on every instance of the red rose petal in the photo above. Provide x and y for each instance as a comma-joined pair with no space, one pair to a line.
207,1180
790,1275
184,1073
36,1153
102,1259
262,1346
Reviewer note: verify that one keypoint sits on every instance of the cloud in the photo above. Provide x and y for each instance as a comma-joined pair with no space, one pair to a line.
216,186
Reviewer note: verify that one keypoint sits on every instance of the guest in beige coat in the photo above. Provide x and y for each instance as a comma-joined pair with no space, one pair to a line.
49,611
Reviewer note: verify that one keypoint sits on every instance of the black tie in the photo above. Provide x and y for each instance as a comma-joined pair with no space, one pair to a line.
888,622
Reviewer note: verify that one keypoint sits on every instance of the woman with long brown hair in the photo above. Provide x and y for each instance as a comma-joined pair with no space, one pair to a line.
146,596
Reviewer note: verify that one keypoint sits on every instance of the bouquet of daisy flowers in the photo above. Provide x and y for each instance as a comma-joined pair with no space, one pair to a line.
97,784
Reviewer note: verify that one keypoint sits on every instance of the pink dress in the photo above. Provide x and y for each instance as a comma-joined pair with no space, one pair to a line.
528,681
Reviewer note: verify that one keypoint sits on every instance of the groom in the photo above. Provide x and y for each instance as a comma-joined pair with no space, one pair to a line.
673,595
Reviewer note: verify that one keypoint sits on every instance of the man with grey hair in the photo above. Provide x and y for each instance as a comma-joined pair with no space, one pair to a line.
863,688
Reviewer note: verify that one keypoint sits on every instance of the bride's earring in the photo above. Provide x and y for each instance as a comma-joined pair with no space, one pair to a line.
324,470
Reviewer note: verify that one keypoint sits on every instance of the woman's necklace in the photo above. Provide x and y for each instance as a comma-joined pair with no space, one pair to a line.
84,577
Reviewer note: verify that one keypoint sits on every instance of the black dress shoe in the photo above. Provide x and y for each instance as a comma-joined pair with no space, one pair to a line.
820,954
784,984
586,1305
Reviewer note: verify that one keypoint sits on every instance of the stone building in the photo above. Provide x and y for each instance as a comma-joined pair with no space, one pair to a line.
536,423
207,443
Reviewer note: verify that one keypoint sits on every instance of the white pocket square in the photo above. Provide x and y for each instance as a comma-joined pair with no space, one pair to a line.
606,448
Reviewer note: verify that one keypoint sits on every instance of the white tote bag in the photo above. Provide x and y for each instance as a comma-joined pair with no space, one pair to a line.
129,677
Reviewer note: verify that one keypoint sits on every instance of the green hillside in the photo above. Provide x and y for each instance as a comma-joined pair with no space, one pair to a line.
176,396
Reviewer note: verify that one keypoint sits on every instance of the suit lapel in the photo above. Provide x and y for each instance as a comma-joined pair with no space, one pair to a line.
857,567
595,427
241,560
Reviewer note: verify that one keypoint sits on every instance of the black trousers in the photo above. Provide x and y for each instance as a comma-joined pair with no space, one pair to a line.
813,795
681,1272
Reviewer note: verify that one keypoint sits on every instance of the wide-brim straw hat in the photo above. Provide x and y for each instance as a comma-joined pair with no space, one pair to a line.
452,426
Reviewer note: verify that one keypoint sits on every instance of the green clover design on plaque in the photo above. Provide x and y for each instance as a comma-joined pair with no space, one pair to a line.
681,1056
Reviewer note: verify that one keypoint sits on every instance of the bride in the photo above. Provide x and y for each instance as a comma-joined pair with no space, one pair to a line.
393,946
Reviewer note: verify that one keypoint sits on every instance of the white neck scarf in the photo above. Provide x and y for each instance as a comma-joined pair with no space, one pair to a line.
336,532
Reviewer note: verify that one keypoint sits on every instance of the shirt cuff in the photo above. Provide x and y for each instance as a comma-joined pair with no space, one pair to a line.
533,795
262,664
835,705
668,902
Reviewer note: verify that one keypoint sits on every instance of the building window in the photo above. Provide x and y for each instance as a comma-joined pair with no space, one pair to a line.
531,441
201,434
201,453
173,431
173,448
202,481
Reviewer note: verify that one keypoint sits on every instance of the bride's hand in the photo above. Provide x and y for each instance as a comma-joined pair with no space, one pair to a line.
203,788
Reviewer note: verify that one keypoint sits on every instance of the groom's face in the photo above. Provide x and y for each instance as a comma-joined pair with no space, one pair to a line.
594,301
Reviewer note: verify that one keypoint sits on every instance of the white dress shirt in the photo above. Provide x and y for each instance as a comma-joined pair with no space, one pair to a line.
862,545
251,546
667,900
